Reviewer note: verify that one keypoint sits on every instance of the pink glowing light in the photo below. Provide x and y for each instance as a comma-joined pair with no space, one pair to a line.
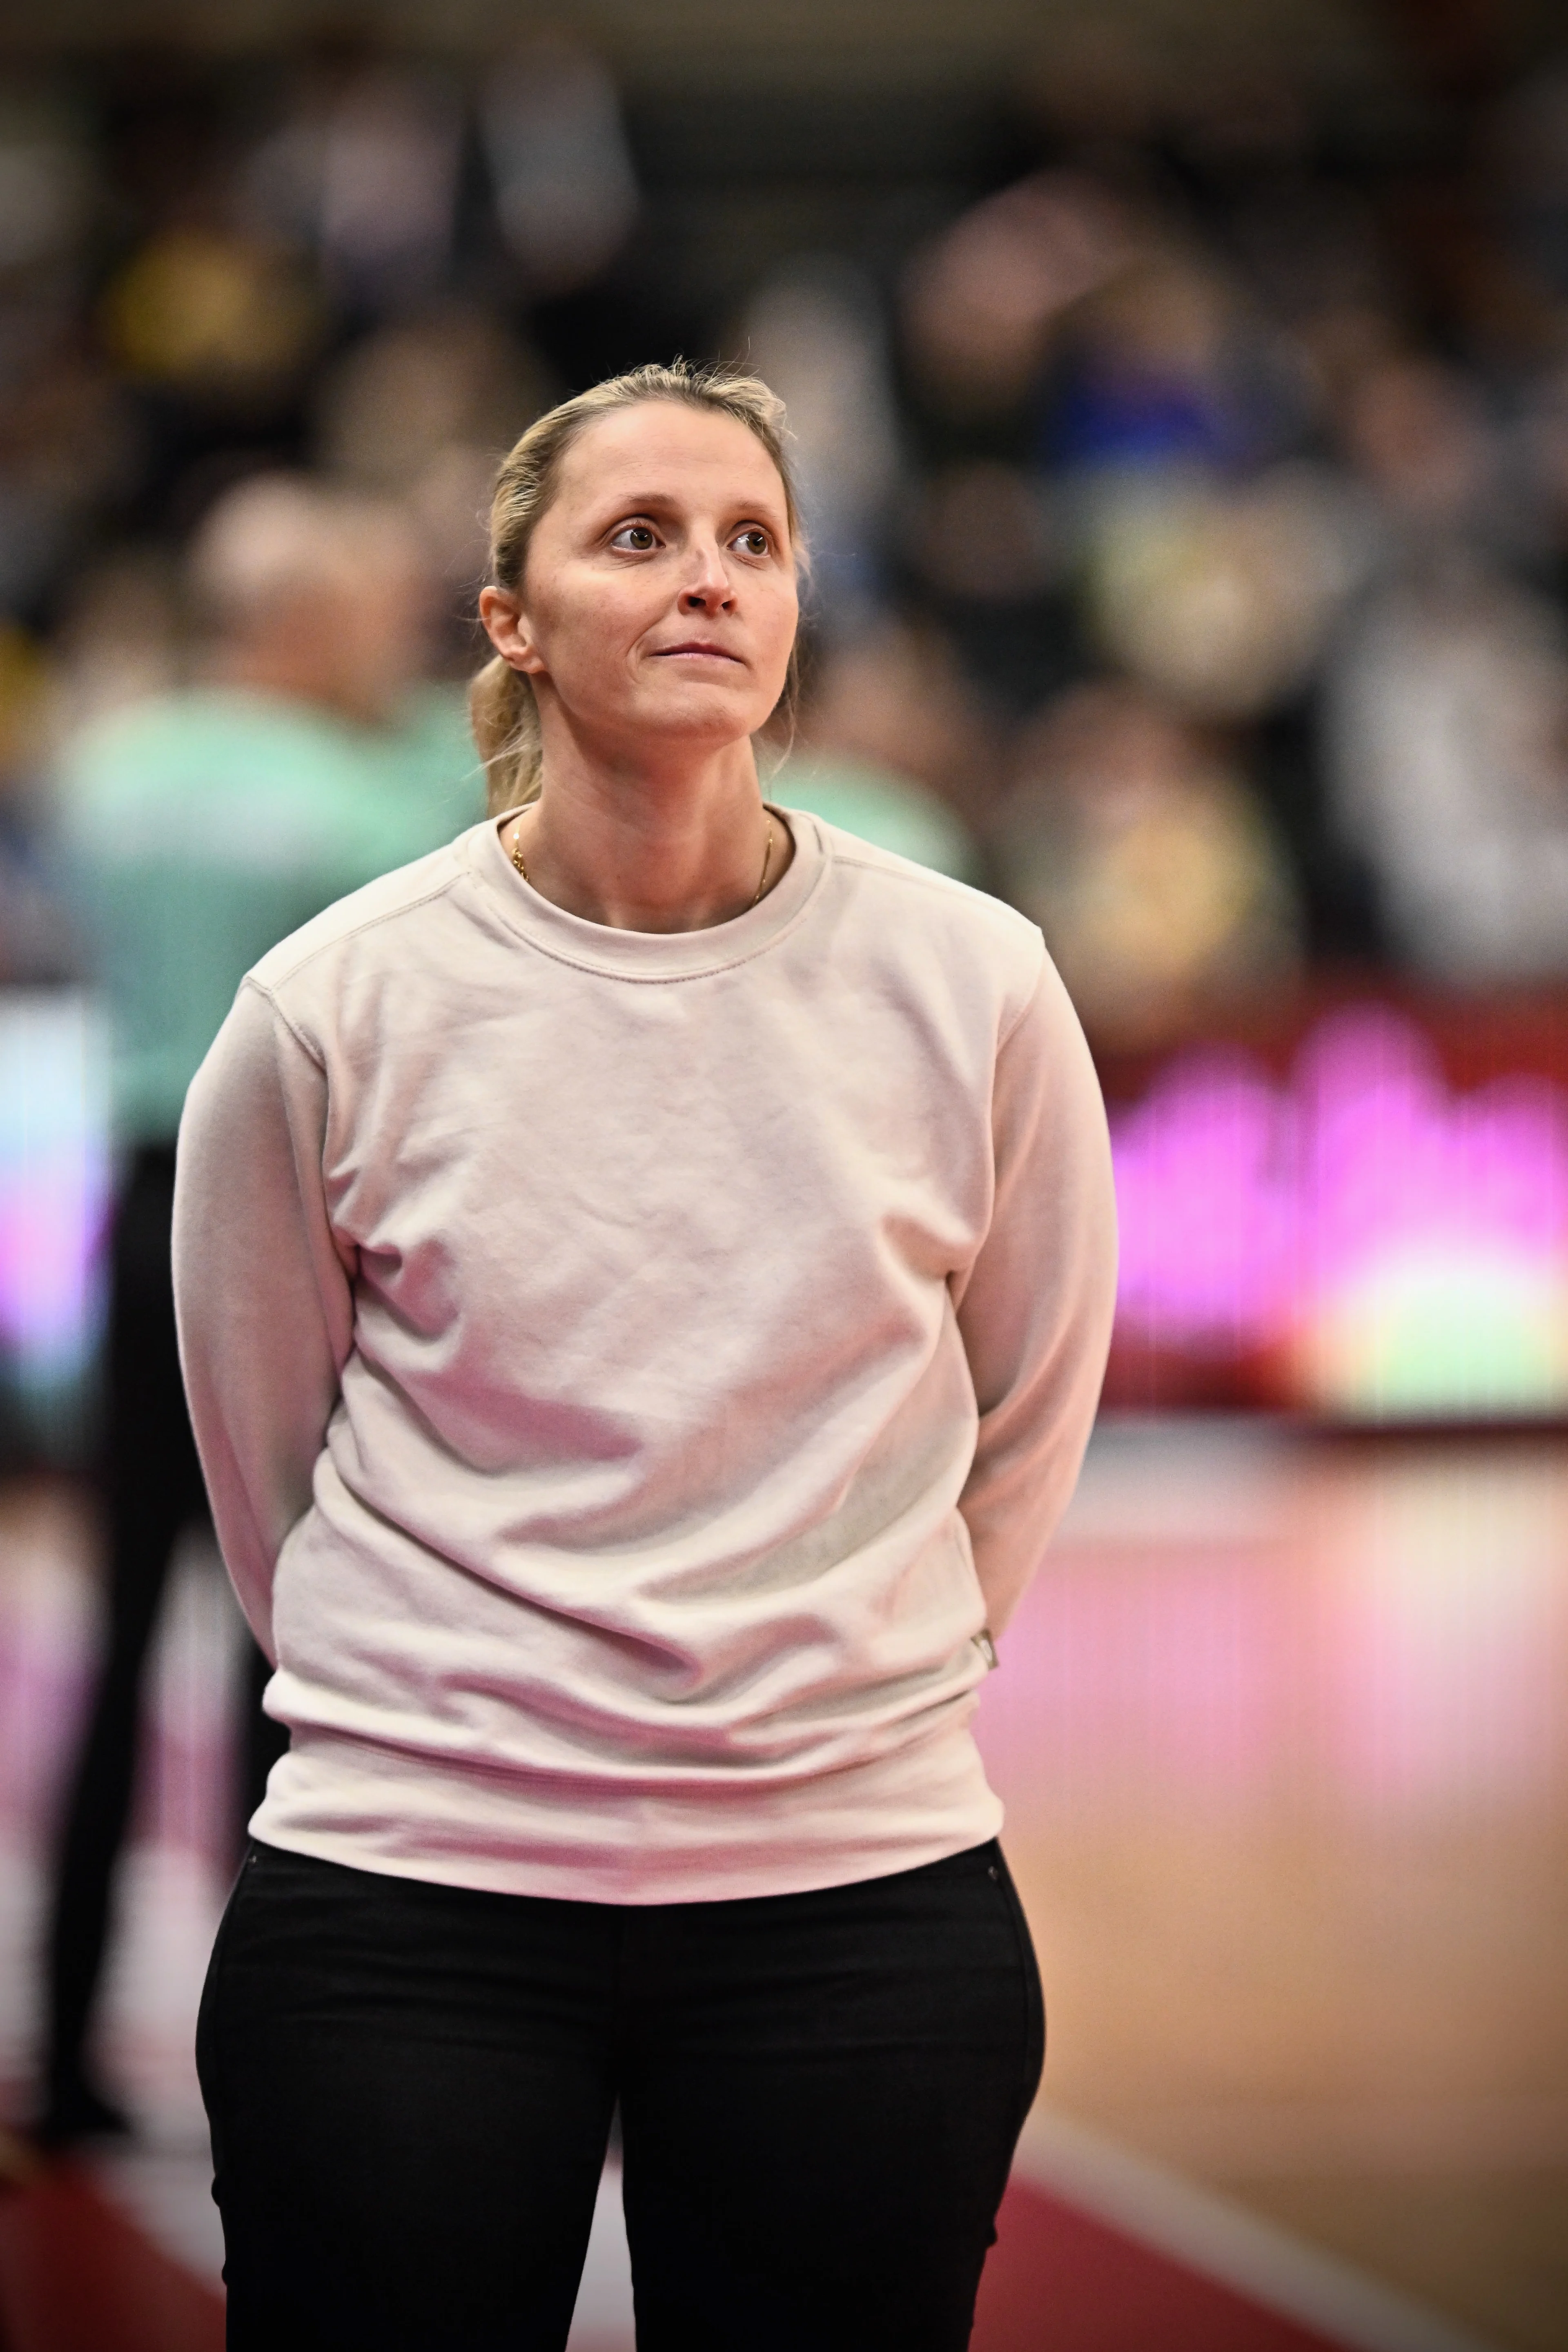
1251,1210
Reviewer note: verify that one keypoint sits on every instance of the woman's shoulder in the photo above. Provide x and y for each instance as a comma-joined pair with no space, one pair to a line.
926,918
375,921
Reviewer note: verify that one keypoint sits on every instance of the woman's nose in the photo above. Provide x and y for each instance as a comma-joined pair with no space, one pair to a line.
709,590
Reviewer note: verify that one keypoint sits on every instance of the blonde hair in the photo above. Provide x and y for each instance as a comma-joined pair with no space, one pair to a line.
501,707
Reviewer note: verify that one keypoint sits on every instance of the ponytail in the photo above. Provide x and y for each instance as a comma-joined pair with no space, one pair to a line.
504,717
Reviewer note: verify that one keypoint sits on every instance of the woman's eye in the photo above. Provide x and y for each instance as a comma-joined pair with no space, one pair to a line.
752,541
635,537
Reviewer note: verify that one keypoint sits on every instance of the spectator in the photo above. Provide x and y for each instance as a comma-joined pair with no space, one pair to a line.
1446,732
35,943
880,806
1448,744
200,826
870,711
814,333
894,701
1149,867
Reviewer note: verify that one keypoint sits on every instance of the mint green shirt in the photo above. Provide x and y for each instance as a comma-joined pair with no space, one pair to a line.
203,826
876,805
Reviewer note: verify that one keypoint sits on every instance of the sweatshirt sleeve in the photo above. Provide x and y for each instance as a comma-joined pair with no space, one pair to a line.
1035,1307
262,1294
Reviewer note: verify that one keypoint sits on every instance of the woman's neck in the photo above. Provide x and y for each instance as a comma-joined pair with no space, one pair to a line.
649,849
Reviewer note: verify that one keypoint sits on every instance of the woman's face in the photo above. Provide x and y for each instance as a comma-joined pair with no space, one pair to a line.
659,597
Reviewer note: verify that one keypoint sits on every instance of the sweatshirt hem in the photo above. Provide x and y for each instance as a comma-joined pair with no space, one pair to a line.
343,1801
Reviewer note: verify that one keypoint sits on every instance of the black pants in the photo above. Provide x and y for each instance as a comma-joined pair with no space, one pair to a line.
152,1491
411,2089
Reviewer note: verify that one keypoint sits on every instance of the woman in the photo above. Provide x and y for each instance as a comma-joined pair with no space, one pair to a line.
645,1274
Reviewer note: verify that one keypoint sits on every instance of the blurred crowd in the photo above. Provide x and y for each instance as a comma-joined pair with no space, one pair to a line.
1188,493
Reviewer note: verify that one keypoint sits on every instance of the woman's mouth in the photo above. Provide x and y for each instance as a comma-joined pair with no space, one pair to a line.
695,649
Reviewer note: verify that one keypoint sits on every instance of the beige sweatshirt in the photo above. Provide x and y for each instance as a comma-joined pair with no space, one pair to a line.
632,1370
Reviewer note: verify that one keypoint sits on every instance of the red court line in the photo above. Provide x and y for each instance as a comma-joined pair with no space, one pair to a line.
1059,2281
76,2276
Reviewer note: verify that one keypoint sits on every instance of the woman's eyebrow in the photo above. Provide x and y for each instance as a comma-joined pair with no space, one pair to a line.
667,502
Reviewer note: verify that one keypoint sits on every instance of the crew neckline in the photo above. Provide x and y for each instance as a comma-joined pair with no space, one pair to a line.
649,955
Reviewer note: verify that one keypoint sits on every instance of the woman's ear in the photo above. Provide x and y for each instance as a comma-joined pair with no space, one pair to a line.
508,631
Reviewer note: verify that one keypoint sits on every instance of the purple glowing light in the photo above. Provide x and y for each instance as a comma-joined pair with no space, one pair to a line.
54,1180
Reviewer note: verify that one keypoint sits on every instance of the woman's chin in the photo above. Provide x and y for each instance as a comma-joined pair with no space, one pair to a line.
701,712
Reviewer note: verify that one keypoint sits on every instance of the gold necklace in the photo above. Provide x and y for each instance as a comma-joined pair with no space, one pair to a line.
762,881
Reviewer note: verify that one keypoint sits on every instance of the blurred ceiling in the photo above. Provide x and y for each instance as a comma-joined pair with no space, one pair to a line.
763,41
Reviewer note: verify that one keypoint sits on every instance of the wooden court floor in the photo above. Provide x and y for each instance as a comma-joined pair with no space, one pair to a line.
1283,1734
1283,1737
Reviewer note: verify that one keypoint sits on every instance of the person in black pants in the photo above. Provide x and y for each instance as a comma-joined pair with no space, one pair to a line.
199,828
152,1492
